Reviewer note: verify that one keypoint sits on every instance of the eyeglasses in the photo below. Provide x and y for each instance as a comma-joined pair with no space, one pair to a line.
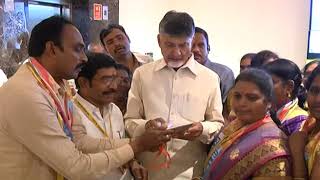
108,80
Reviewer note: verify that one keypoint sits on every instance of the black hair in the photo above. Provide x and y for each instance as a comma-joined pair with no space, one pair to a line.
49,29
287,70
309,64
105,32
177,24
95,62
260,78
265,84
205,34
313,75
248,55
123,67
262,57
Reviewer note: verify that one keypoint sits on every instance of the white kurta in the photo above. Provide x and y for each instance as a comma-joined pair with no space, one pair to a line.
190,94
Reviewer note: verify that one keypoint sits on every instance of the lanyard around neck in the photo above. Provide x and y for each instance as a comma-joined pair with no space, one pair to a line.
92,119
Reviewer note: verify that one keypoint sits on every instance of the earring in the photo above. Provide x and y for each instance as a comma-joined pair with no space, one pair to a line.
289,95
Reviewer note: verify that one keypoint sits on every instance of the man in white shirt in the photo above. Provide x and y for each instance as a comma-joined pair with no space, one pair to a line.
3,77
116,42
172,92
36,114
99,117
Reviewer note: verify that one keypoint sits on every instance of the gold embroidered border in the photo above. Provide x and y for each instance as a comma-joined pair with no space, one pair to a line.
251,160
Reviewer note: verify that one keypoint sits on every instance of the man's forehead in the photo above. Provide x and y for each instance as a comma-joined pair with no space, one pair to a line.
114,32
177,39
71,34
106,71
69,29
122,72
199,36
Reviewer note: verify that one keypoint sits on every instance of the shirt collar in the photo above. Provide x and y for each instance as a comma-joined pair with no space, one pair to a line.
90,107
191,65
160,65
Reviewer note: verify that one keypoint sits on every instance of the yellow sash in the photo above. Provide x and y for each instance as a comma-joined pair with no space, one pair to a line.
92,119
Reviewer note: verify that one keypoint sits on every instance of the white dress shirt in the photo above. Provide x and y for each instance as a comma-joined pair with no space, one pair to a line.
111,122
33,146
190,94
3,77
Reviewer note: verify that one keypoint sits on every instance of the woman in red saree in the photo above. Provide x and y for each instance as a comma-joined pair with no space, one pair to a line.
252,146
305,145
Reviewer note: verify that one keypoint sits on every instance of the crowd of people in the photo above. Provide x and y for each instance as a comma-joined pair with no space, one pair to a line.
180,117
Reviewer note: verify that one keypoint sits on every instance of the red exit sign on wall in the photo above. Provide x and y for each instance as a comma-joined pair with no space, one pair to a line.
97,11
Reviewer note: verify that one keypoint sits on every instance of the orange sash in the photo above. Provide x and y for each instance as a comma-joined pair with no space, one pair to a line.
46,82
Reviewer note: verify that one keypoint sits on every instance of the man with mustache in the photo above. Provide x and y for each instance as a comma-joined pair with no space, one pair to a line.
116,41
173,92
36,114
125,77
200,50
97,85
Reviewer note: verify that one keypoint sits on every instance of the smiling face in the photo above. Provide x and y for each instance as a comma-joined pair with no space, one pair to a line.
248,102
102,88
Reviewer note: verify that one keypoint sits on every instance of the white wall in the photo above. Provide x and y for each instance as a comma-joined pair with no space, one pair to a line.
235,27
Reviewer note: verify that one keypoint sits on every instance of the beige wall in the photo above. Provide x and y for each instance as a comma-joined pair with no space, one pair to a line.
235,27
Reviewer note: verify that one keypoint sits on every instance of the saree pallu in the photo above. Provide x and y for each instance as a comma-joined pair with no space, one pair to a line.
312,149
248,153
292,117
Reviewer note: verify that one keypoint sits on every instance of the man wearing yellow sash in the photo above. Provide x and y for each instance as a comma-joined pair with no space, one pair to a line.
100,118
36,113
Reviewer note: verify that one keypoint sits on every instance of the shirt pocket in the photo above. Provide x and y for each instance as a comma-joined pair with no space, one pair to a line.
192,107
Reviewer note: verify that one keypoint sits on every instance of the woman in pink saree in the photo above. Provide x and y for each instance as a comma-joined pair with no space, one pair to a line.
252,146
